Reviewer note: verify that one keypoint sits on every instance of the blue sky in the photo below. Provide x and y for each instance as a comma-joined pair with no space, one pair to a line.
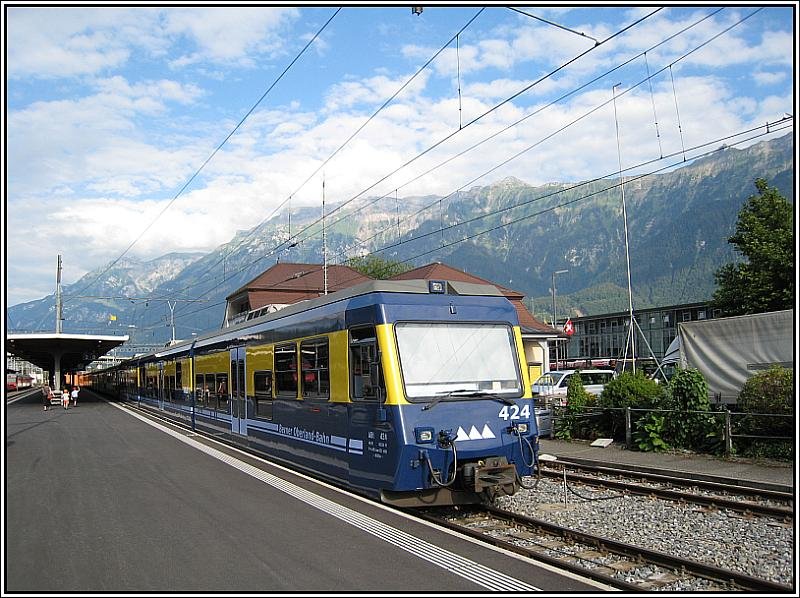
111,110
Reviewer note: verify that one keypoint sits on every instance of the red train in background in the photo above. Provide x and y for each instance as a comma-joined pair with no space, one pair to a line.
17,381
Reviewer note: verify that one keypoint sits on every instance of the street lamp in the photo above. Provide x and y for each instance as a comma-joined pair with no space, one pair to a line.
554,306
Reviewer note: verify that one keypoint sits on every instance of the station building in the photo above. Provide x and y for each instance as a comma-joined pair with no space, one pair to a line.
602,337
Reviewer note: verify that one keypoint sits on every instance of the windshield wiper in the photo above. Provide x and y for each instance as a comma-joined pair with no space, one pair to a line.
469,393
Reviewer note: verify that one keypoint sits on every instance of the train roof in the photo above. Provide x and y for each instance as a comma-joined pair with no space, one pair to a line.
418,287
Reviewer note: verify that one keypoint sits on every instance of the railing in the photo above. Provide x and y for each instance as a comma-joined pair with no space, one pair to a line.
729,425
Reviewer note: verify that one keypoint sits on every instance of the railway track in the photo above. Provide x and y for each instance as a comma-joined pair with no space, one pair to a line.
742,499
617,564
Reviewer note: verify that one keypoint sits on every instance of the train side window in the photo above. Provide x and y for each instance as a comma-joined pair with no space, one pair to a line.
210,391
200,391
315,372
262,382
222,393
286,372
363,352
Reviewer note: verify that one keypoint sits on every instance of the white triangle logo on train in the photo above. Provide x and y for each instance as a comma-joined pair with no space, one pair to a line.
474,434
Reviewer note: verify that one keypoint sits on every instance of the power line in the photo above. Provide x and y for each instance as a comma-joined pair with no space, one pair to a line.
770,126
349,139
214,153
522,12
638,177
564,127
448,137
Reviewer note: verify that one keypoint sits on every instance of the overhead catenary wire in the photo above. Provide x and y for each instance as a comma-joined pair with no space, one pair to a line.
349,139
446,138
527,14
573,122
214,153
310,226
527,116
714,142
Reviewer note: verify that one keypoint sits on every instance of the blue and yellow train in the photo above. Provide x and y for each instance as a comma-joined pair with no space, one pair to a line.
413,392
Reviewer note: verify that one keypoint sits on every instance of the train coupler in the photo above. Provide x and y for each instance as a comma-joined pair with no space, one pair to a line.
492,474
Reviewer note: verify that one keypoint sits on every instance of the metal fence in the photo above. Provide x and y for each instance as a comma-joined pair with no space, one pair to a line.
734,429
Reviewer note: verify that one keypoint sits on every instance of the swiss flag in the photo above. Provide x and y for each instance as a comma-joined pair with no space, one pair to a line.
569,329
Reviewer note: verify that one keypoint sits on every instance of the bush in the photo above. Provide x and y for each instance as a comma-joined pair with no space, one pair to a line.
649,433
691,428
573,421
636,391
770,392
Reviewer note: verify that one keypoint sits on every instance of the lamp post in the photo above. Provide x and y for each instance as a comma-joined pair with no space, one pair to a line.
554,306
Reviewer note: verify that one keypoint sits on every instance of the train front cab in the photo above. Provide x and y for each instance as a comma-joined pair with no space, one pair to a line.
454,420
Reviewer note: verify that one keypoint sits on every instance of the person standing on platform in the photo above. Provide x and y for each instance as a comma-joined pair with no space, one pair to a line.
46,392
75,390
65,398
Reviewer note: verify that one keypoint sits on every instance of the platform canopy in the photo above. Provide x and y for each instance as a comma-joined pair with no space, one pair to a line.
59,352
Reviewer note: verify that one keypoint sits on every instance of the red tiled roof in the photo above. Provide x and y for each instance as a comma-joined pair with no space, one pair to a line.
299,278
438,270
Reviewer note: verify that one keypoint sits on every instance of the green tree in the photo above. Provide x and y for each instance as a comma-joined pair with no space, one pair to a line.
376,267
765,236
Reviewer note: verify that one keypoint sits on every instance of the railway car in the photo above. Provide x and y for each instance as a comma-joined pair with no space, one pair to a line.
413,392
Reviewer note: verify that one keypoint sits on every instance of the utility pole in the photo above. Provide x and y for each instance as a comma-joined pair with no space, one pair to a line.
324,242
554,307
58,297
631,331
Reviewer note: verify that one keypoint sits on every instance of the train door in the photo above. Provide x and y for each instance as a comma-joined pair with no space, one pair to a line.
371,450
160,385
238,396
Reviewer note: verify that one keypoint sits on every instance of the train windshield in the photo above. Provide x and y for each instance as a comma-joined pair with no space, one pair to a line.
439,359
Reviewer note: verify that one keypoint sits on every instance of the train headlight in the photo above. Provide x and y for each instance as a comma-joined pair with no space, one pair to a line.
519,428
436,286
423,435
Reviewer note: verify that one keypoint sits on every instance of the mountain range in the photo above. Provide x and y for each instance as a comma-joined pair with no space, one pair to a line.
509,232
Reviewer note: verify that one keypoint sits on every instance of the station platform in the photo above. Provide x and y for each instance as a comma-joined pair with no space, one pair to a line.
101,499
766,474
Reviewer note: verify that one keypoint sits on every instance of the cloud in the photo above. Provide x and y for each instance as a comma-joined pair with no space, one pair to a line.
97,164
60,42
88,140
222,35
65,42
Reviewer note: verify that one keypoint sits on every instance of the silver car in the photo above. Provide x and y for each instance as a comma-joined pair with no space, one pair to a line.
551,388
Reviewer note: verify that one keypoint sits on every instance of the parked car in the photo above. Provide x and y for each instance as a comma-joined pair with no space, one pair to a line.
551,388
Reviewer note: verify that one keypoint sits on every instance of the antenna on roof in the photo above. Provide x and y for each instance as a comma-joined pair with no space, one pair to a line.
324,242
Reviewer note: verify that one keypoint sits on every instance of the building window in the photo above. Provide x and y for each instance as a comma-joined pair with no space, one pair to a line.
701,314
316,376
286,371
686,316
